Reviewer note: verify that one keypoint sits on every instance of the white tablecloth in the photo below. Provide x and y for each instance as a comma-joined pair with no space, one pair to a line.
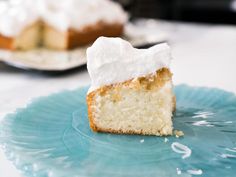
202,56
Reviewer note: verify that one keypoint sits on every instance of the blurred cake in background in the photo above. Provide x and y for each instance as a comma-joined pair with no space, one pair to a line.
19,25
131,89
74,23
58,24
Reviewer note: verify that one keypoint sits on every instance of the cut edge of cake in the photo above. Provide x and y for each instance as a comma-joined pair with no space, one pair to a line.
39,34
142,105
28,39
55,39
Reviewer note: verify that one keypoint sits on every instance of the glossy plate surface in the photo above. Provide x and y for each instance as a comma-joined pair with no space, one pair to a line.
51,138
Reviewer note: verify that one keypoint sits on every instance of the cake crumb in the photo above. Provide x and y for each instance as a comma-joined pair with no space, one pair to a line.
178,133
142,141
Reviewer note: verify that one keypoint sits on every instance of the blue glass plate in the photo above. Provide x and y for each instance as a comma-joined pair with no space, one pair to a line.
52,138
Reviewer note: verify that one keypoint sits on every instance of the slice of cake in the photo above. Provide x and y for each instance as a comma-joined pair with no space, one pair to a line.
27,39
19,25
131,89
60,25
73,23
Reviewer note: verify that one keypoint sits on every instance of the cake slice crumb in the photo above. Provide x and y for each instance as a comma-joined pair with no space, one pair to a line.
178,133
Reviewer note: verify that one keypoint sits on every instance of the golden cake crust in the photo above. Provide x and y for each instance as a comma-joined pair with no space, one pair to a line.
70,39
75,38
6,42
91,33
149,82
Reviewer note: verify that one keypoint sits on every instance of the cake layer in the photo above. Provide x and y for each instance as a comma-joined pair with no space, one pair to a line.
62,15
68,24
52,38
143,105
29,38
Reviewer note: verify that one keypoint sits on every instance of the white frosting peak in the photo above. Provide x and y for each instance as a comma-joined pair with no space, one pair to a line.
15,15
113,60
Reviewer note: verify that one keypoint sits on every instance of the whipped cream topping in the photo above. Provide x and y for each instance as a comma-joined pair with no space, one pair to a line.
113,60
15,15
64,14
